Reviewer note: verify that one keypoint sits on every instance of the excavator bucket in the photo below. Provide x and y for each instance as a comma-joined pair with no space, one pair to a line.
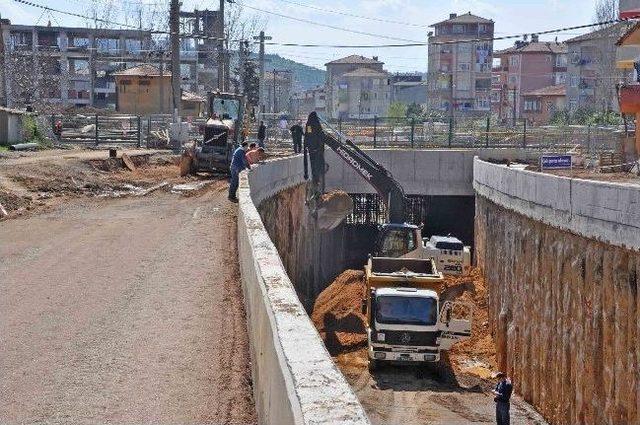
333,209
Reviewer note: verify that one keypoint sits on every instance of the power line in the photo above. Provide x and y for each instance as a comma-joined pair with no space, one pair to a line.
120,24
353,15
307,21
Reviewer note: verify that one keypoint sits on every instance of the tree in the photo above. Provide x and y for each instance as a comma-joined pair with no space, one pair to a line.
415,111
607,10
397,110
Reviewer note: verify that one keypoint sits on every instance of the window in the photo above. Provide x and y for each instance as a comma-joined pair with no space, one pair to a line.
458,29
575,81
513,80
532,105
561,61
107,45
463,67
482,28
406,310
80,42
482,103
560,78
133,45
397,243
514,61
144,82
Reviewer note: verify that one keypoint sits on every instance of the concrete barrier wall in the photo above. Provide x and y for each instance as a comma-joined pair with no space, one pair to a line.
607,212
294,378
422,172
561,262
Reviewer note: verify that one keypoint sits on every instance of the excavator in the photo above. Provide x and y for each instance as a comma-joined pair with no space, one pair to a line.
396,238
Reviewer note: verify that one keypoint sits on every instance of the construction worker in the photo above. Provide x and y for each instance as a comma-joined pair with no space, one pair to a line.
262,134
238,163
255,155
296,135
502,393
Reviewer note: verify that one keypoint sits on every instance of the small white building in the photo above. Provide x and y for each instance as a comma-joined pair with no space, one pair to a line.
11,121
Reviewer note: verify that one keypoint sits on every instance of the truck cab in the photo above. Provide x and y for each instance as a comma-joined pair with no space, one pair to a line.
406,319
220,132
450,254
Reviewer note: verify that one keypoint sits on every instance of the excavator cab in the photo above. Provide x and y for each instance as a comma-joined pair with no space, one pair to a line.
398,240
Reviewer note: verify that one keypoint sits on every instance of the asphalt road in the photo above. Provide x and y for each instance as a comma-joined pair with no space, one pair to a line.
124,311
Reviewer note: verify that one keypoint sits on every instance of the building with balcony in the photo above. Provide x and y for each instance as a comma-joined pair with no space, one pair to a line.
408,89
60,67
459,74
592,71
525,67
357,88
305,102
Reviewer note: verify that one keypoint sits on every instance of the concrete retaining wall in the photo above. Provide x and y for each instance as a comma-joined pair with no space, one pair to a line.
422,172
607,212
295,380
561,261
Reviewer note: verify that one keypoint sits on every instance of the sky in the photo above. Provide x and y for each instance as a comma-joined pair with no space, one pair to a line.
412,20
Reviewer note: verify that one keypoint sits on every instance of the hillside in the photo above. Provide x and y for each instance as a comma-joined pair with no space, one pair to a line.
306,77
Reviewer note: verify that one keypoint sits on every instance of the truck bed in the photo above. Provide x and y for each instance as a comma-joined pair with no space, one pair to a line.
403,272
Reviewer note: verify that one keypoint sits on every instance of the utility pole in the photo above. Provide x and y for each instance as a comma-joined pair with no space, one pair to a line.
275,100
3,70
174,26
221,54
514,106
261,38
451,103
160,54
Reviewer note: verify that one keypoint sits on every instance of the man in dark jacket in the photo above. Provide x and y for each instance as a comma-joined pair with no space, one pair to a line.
502,393
262,134
296,135
238,163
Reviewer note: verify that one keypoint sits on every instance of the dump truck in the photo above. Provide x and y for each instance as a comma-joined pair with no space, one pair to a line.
407,320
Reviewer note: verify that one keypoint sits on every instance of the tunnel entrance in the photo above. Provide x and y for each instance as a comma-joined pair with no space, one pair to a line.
440,215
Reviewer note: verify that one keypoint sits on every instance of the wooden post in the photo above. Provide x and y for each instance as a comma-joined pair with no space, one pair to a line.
96,123
139,131
375,131
413,130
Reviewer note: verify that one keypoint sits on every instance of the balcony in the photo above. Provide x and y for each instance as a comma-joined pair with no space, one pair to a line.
630,98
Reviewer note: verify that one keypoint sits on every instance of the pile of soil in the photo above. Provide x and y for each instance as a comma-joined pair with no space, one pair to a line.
12,202
338,317
477,355
337,313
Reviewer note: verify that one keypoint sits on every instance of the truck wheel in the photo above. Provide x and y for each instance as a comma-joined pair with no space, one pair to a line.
373,365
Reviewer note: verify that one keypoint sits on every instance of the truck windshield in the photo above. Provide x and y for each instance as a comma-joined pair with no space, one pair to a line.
225,108
394,310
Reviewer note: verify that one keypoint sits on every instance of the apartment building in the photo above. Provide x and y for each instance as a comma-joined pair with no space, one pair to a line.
592,74
459,73
60,67
357,87
526,67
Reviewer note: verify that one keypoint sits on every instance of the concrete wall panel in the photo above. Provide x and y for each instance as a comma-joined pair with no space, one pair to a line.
294,378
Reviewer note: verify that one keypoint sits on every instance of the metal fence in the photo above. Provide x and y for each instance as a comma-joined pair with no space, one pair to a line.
476,133
147,131
381,132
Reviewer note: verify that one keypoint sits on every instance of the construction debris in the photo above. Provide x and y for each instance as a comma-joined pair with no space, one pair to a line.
128,163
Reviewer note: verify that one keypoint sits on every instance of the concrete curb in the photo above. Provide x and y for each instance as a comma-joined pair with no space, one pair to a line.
295,381
607,212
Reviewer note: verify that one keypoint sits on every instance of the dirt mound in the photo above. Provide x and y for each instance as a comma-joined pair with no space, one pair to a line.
337,313
477,355
12,202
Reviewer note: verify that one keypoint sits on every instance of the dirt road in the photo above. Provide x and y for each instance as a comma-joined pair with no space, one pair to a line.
397,395
124,311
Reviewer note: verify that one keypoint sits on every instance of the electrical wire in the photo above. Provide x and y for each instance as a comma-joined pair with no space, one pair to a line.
307,21
353,15
120,24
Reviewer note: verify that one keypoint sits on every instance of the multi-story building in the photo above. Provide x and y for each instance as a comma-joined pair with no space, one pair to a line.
357,87
592,74
525,68
408,89
540,105
73,66
459,72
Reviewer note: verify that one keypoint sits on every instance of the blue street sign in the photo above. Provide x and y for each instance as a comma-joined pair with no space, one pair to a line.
555,162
